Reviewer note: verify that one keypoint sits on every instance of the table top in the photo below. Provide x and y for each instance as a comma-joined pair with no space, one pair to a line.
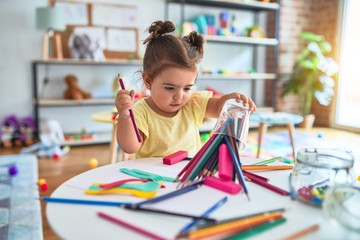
74,221
276,118
106,117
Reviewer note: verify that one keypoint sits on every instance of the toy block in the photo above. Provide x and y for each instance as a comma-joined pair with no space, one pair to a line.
175,157
222,185
225,163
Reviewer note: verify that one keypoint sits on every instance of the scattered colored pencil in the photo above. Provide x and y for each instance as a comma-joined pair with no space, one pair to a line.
86,202
218,204
265,167
171,194
130,226
268,161
246,173
304,232
268,186
131,112
141,209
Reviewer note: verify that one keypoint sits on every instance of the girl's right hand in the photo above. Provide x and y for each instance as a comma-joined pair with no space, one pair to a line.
124,101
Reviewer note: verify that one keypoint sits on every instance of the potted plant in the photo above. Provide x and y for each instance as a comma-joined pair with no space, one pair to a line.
312,74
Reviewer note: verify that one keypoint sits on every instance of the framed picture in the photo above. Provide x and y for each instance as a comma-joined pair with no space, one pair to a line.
112,15
75,13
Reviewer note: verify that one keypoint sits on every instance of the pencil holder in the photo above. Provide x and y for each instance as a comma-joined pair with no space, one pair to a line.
238,127
316,170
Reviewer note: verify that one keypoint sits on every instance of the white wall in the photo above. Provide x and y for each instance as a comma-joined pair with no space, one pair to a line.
20,43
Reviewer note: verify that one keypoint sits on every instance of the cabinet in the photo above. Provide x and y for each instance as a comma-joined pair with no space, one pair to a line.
47,73
255,51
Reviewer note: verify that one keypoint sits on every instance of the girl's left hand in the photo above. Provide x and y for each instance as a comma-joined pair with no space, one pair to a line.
246,101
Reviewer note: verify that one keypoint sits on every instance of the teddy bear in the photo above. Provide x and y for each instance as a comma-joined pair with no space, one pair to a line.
73,90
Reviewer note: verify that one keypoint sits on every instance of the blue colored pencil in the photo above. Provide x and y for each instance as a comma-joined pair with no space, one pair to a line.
86,202
188,227
171,194
237,166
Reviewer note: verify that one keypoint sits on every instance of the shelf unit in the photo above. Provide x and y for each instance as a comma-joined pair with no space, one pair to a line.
39,102
252,6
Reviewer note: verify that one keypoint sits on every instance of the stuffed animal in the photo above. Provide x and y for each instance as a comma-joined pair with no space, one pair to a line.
73,90
28,130
10,132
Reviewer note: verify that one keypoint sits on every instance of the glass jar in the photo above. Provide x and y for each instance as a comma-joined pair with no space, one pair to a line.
317,169
341,203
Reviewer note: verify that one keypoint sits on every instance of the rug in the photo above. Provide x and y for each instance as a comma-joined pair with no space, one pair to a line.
20,210
278,144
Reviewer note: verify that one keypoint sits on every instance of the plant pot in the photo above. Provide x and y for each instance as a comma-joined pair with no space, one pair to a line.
308,121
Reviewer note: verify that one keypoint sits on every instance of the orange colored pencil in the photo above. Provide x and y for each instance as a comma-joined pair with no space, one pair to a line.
265,168
222,230
303,232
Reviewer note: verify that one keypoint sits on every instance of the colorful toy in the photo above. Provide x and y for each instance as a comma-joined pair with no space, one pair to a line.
47,151
13,170
27,130
10,132
42,183
93,163
73,90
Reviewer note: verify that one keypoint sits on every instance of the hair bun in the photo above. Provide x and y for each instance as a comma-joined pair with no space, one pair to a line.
196,40
159,28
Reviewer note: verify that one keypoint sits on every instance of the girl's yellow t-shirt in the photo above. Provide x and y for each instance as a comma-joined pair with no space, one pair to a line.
163,135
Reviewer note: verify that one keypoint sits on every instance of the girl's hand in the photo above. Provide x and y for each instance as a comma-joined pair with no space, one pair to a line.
124,101
246,101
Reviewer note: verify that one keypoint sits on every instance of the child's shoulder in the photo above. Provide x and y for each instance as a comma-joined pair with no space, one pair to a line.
201,94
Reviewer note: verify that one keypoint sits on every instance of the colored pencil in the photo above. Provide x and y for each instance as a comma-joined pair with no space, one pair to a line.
220,231
292,192
237,166
217,205
303,232
130,226
246,173
271,160
171,194
233,219
85,202
265,167
268,186
257,229
141,209
131,112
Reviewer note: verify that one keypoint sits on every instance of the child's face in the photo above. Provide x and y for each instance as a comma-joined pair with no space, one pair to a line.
171,89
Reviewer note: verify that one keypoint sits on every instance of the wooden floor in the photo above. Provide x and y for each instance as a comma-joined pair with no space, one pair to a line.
58,171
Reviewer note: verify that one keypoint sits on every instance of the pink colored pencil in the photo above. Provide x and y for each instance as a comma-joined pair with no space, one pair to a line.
267,185
130,226
131,112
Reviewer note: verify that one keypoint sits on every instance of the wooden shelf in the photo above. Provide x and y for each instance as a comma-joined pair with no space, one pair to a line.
69,61
64,103
100,138
232,4
244,76
242,40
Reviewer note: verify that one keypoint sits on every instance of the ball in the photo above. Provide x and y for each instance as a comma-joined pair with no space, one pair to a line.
41,181
13,170
93,163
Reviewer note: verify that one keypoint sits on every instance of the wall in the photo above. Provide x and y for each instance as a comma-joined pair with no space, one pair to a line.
20,43
297,17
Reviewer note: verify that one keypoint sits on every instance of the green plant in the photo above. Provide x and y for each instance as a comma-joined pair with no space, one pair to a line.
313,73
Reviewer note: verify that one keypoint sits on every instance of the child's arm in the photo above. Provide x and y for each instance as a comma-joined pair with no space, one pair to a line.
215,105
125,133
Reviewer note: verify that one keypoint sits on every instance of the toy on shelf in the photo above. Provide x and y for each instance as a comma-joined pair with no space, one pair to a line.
73,90
254,31
82,136
28,130
10,132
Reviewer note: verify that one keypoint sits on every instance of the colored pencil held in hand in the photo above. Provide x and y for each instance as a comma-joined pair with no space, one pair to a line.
131,112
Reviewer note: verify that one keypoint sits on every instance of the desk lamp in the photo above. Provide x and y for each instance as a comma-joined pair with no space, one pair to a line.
50,20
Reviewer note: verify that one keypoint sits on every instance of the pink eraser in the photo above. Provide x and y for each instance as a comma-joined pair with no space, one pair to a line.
222,185
175,157
225,163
